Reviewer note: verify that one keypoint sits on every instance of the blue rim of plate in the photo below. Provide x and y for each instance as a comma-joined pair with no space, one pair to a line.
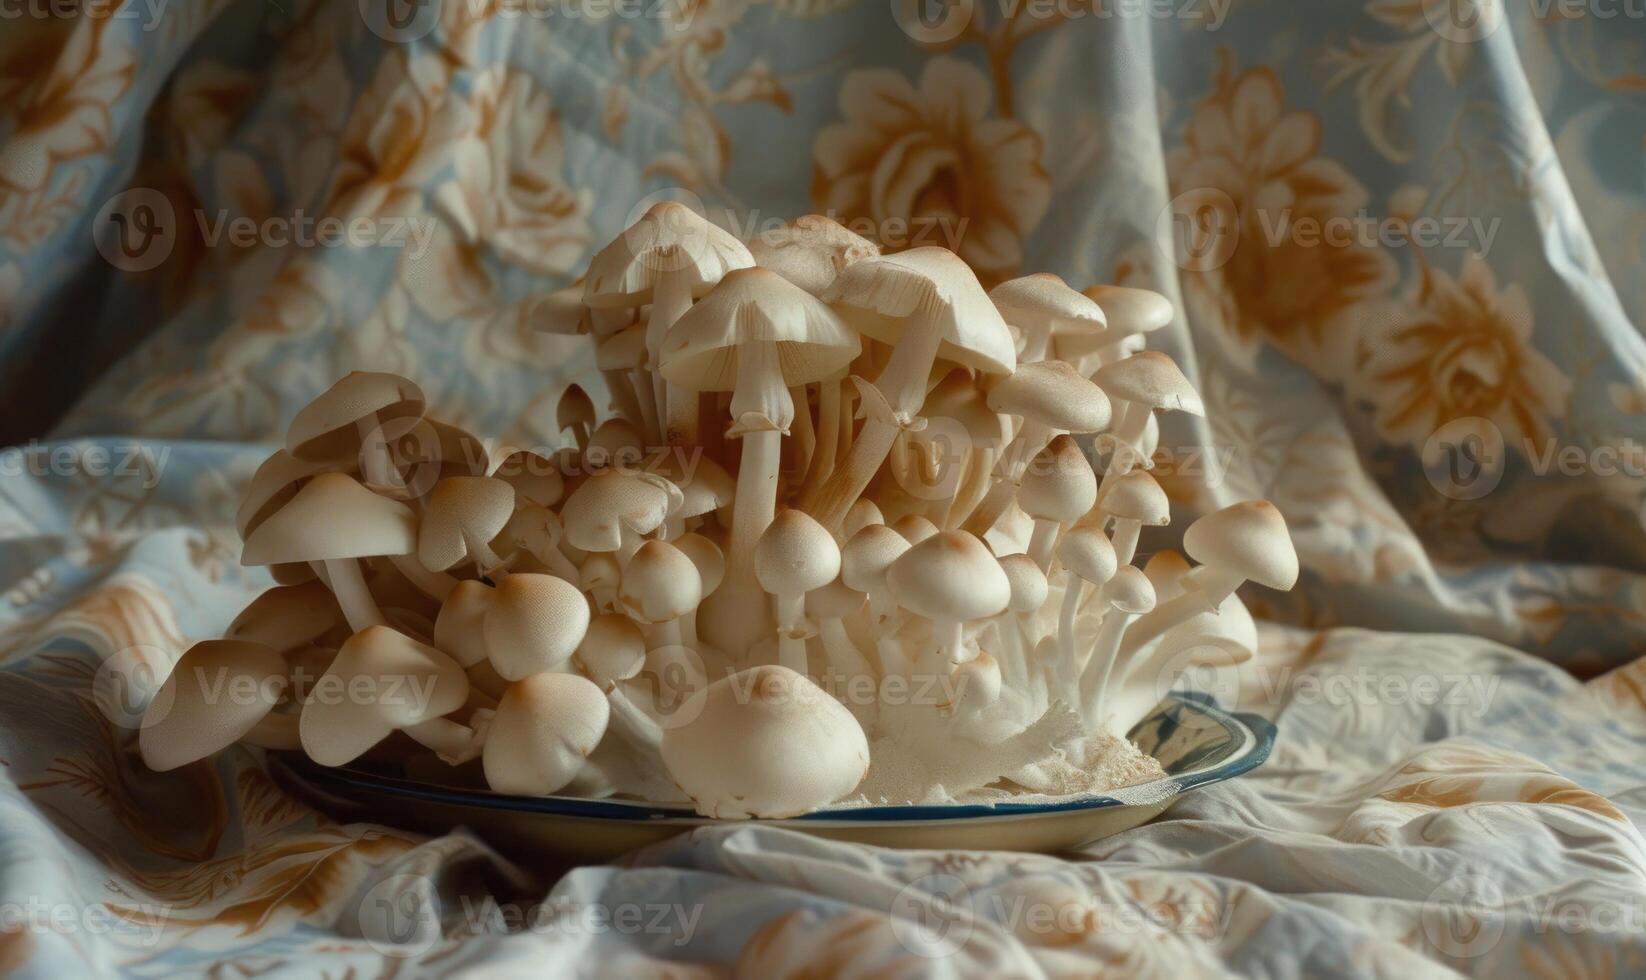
1249,741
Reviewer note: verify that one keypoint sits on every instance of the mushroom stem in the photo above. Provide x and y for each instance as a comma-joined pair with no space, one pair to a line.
1123,460
646,400
837,494
454,743
637,727
1124,538
1030,439
1065,622
1204,589
791,631
738,615
828,433
277,731
1094,680
1042,542
843,655
356,601
435,585
805,437
623,401
671,298
950,635
484,558
903,381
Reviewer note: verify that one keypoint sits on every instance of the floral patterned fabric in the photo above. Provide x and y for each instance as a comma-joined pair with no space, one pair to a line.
1405,239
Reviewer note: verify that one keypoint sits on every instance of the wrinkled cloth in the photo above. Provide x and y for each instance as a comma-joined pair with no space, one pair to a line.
1405,245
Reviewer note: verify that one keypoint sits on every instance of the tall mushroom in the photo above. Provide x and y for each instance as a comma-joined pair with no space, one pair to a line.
1088,558
1043,306
1133,500
1057,490
1128,594
755,335
1145,383
951,579
793,557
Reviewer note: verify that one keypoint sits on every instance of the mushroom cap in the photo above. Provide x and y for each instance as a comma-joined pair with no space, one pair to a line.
1085,551
287,616
545,727
978,682
613,441
328,428
379,681
332,517
560,311
1053,393
880,297
836,600
600,570
669,239
704,484
1223,637
1028,583
1059,484
1249,538
659,584
862,513
868,555
217,692
1149,378
795,554
607,503
533,623
707,556
1166,569
959,398
951,575
457,627
460,509
767,743
1129,590
537,529
624,350
276,481
1044,302
914,528
536,479
750,306
574,407
1129,310
810,251
1137,497
457,451
613,650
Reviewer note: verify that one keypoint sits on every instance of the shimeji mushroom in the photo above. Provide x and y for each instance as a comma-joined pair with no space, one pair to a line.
612,650
1127,594
793,557
276,481
767,742
711,571
975,684
957,403
613,509
460,518
864,561
220,692
951,579
458,630
1247,541
287,616
829,606
600,576
615,443
538,530
357,418
1042,306
1133,500
914,528
575,411
1029,591
1057,490
862,514
1087,557
533,623
1129,313
380,681
1145,383
335,521
621,358
545,728
927,304
659,586
667,258
705,487
756,334
810,251
536,479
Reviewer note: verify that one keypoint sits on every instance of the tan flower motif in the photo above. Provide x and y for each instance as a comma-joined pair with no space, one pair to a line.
1302,292
928,166
1461,350
400,134
66,111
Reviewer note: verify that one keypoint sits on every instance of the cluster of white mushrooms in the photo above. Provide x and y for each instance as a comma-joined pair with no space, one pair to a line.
838,538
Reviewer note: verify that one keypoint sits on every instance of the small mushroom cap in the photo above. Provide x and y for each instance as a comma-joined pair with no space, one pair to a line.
613,650
1086,551
536,529
276,481
1129,310
287,616
1059,484
534,623
616,440
217,692
810,251
914,528
669,239
328,428
457,452
1045,302
868,555
624,350
607,503
1053,393
767,743
559,312
1129,590
457,627
753,306
1166,569
1137,497
836,600
659,584
795,555
379,681
704,484
460,509
332,517
536,479
978,682
1150,378
600,570
1028,582
1249,538
958,397
707,556
862,513
545,727
574,408
950,576
881,297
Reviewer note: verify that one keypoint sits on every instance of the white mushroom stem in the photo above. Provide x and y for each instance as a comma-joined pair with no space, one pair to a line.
843,655
1204,589
376,458
454,743
671,298
828,433
1043,540
664,634
646,400
347,584
805,437
1105,651
630,721
620,384
1134,419
1124,538
435,585
792,631
1065,620
1030,439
